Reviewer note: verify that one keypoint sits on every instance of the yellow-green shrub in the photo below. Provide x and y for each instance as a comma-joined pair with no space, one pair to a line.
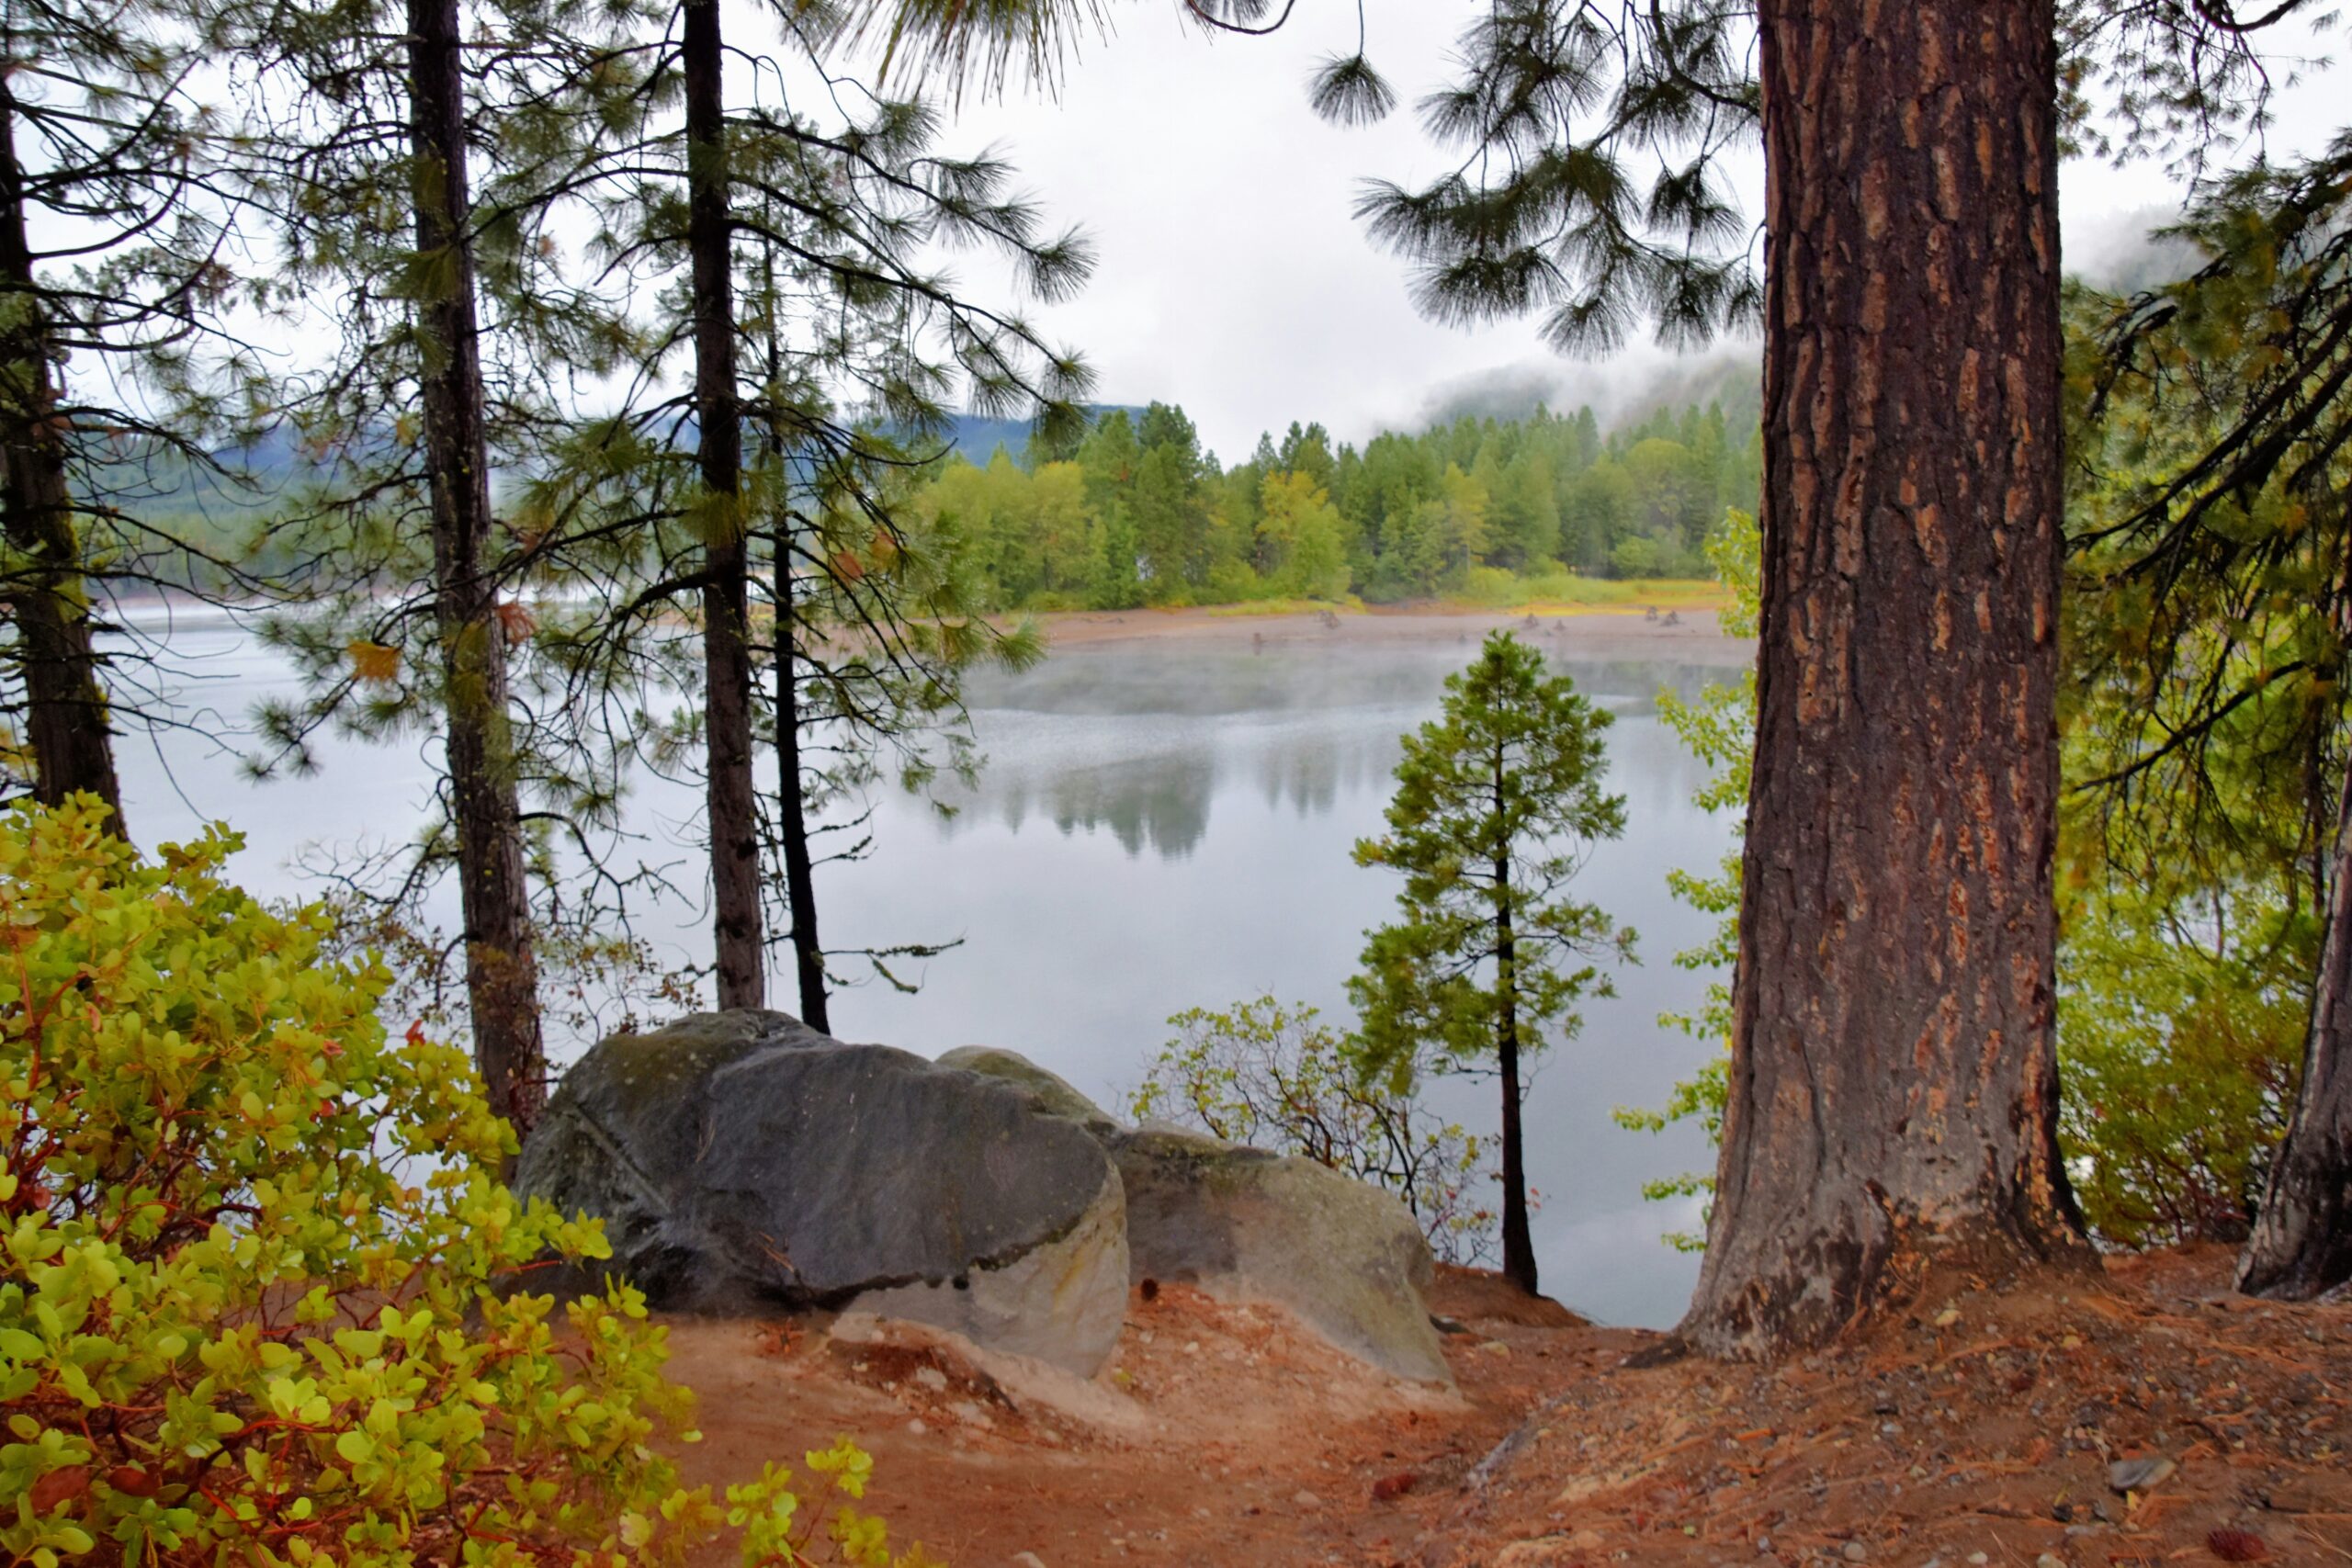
246,1309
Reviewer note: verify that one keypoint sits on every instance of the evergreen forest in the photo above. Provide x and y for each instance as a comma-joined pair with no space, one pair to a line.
1483,509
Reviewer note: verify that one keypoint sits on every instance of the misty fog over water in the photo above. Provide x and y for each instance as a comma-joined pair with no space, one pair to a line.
1160,826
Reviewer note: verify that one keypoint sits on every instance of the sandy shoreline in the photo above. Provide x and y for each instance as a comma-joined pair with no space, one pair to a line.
1690,637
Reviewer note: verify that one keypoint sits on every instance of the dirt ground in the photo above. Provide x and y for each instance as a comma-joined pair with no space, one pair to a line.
1980,1427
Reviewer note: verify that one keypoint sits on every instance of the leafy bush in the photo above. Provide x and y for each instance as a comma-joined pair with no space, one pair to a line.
1273,1077
1719,729
247,1312
2180,1038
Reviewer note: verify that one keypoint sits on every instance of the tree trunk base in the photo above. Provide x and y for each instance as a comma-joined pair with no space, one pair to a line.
1828,1285
2301,1246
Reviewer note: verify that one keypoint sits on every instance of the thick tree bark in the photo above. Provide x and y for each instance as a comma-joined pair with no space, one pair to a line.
501,977
792,813
1894,1082
2302,1244
66,727
731,799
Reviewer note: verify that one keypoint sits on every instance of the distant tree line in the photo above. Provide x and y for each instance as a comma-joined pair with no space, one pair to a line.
1138,514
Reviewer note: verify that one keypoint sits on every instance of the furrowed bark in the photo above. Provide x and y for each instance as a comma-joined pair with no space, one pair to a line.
730,799
501,977
66,727
1893,1081
2302,1244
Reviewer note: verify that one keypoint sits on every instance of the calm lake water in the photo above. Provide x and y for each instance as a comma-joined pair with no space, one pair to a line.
1160,826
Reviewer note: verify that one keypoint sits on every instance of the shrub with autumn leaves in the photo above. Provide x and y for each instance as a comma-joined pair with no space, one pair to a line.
248,1311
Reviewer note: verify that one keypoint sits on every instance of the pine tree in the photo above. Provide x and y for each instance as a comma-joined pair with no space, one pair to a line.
1171,504
1498,804
421,626
798,236
118,246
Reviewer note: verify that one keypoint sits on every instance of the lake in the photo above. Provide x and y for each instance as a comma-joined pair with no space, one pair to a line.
1163,824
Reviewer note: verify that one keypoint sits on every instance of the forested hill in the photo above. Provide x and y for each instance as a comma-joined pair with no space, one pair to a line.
1140,514
143,494
976,439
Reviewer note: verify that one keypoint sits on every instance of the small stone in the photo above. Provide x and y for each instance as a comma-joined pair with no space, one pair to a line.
916,1428
2048,1560
931,1377
1495,1348
1027,1559
1305,1499
1947,1317
1977,1559
1854,1551
2138,1475
1191,1347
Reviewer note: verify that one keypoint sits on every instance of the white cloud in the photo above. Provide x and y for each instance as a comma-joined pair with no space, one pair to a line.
1234,278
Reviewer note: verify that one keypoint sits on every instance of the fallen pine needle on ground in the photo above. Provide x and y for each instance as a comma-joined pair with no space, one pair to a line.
2148,1417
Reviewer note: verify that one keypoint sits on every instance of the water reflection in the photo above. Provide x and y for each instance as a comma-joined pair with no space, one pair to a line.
1140,742
1204,807
1158,828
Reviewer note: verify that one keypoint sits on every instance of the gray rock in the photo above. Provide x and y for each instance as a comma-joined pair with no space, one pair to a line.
741,1161
1346,1258
2135,1475
1055,1093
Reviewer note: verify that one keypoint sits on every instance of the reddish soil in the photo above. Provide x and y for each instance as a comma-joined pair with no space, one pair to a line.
1685,629
1983,1421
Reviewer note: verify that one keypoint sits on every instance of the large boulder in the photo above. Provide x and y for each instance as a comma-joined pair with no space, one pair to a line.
1344,1257
740,1161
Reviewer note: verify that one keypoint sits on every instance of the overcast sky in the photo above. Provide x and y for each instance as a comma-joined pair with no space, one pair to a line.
1233,279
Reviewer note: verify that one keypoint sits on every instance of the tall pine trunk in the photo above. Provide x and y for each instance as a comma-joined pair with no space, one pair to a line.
502,980
66,727
1519,1239
792,811
2302,1238
1894,1080
792,808
730,798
